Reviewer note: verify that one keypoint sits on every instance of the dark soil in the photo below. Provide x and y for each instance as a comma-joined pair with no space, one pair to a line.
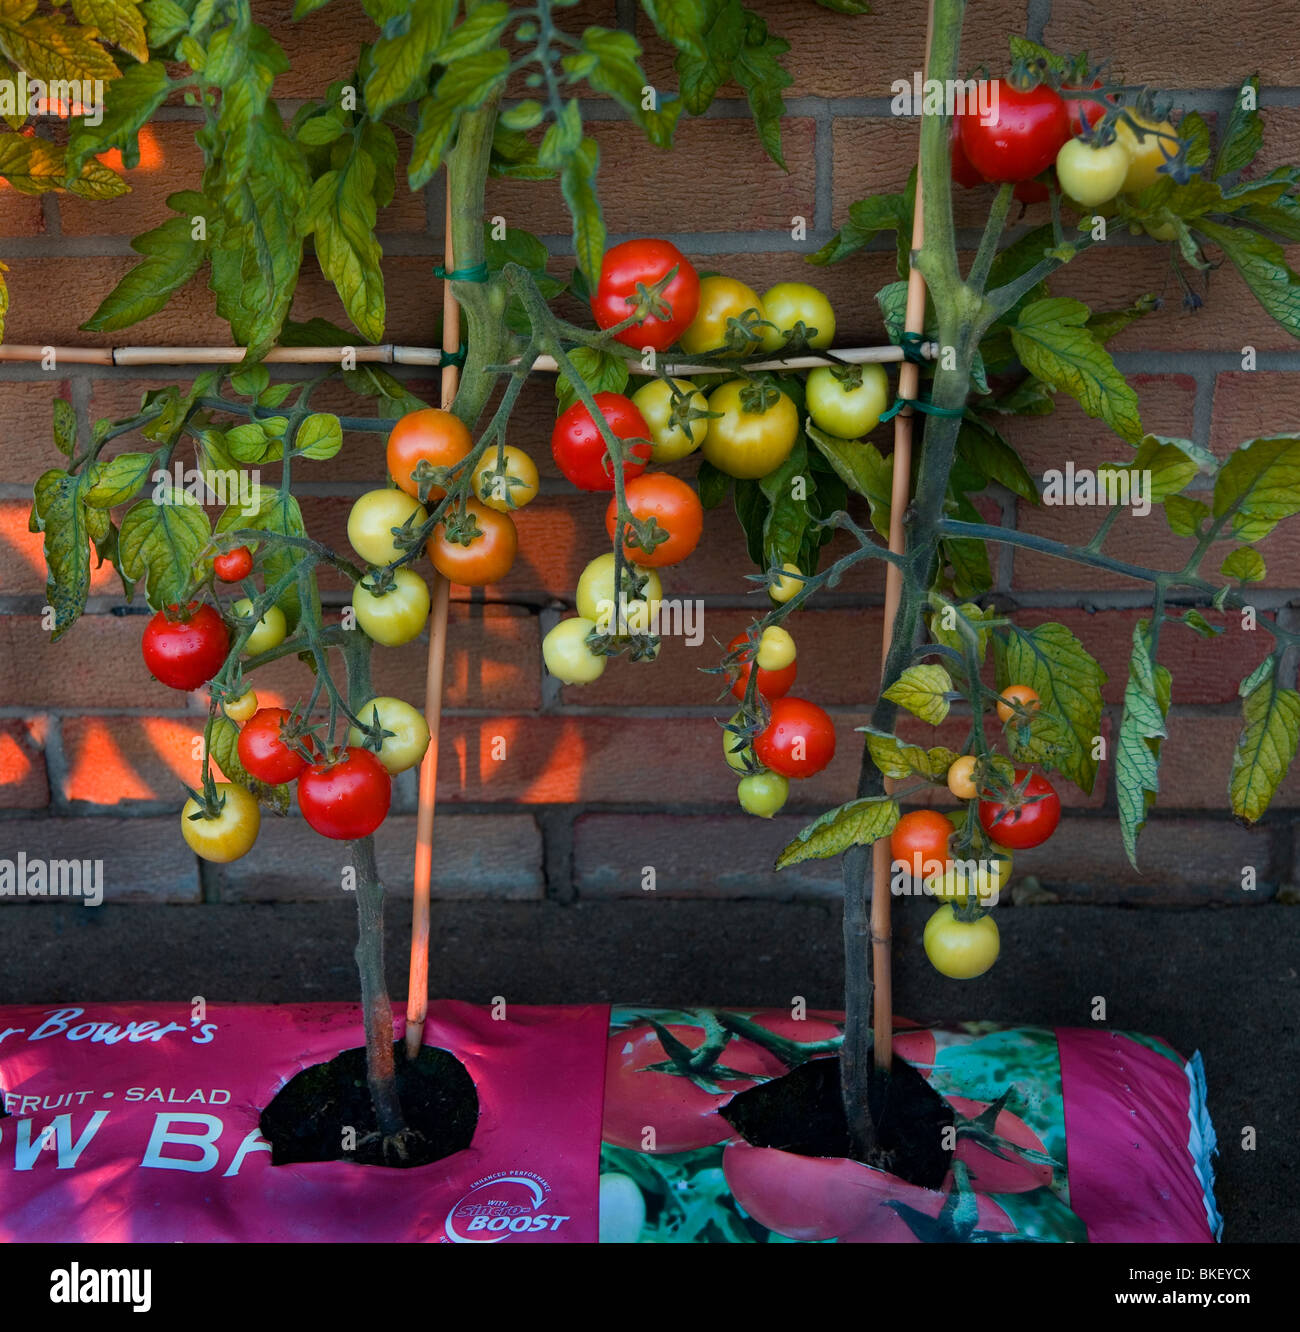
309,1115
801,1112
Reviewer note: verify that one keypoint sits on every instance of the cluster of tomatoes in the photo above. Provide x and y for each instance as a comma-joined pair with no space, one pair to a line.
961,937
1034,130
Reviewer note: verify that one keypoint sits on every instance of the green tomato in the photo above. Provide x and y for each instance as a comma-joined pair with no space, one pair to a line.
738,760
371,523
228,836
405,747
399,614
791,303
669,442
1091,175
762,793
960,949
566,654
595,595
267,633
845,411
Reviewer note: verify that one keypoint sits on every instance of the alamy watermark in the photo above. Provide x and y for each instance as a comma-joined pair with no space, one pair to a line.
1109,487
234,488
35,877
22,97
666,617
919,96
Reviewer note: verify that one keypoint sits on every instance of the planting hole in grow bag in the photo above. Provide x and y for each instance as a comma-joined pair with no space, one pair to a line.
801,1112
327,1105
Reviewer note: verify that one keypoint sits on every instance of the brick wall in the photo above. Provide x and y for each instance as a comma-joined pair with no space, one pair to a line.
598,782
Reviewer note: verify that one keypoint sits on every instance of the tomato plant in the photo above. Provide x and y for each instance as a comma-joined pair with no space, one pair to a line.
405,746
392,611
265,750
430,437
1028,817
772,683
1021,137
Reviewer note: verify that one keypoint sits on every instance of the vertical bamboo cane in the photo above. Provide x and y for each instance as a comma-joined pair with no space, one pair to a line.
417,990
900,496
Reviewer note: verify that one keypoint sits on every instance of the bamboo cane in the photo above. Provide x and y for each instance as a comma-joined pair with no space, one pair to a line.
909,378
417,990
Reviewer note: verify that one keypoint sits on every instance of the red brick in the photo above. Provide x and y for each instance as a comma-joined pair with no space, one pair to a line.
23,781
27,430
130,760
20,214
1251,404
1196,759
22,555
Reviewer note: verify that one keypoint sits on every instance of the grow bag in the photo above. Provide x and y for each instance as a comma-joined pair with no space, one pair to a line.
140,1122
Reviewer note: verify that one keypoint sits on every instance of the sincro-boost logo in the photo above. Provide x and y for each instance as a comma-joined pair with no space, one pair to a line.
502,1205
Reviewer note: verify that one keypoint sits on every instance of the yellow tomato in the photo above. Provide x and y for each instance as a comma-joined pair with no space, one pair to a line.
745,443
721,300
505,483
669,442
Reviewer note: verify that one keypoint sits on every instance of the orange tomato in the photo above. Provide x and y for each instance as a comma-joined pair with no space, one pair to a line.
487,559
675,507
430,435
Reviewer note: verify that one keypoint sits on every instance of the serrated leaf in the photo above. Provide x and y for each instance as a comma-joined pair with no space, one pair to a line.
601,371
60,508
1259,486
223,745
49,49
983,447
954,637
680,22
578,185
1068,680
1263,267
341,216
857,823
757,68
863,468
320,436
119,22
1266,747
1245,564
923,691
608,60
787,517
1243,136
1142,729
272,510
401,59
172,258
467,84
119,479
1184,515
868,218
1160,468
1053,342
161,542
165,20
896,758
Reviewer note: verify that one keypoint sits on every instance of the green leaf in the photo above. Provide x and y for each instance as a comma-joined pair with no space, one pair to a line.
1106,324
1053,342
1263,267
119,479
1245,564
1244,135
1142,729
161,541
1196,132
787,517
118,22
223,745
712,484
1266,747
467,84
923,691
1259,486
578,185
128,104
868,218
759,71
60,512
680,22
401,59
967,556
272,511
480,30
1031,52
1160,468
983,447
1050,660
1197,623
1184,515
704,69
165,20
857,823
171,258
863,468
65,427
608,60
320,436
954,637
601,371
896,758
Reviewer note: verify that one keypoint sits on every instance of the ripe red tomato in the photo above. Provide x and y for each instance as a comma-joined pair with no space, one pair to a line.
1032,823
1031,192
923,833
580,451
487,559
348,798
799,739
962,172
642,263
674,506
1002,1170
1080,110
185,649
1024,134
233,565
429,435
262,752
771,684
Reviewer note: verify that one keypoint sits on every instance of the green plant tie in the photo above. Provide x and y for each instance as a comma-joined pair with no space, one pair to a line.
479,273
456,357
911,343
920,405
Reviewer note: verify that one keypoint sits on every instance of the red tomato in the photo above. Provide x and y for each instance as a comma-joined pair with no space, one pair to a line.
1031,192
429,435
832,1197
348,798
674,506
962,172
799,739
642,263
923,833
233,564
185,649
683,1115
262,752
1081,110
1024,135
771,684
1005,1173
1032,823
580,451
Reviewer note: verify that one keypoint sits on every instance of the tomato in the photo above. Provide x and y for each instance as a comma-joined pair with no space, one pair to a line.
231,833
791,304
738,759
622,1208
960,878
396,616
922,833
847,403
1000,1168
1081,109
762,793
267,633
1147,155
373,518
487,559
744,441
1022,137
960,949
1023,695
641,263
683,1115
233,565
595,594
723,299
566,654
799,739
1030,824
405,747
264,753
242,708
580,450
776,649
185,649
505,482
961,778
962,172
1092,175
430,435
674,506
348,798
787,585
774,683
1031,192
672,439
